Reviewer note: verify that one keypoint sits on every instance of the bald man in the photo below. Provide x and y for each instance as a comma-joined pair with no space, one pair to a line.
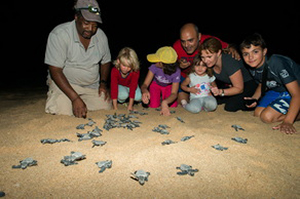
187,48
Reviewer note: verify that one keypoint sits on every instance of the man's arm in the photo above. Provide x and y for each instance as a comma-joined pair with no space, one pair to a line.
79,107
104,71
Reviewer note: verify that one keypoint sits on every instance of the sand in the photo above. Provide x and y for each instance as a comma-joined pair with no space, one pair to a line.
266,167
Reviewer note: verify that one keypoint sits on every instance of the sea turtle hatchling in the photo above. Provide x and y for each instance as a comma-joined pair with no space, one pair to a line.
186,169
141,176
168,142
71,160
163,126
185,138
25,163
237,127
80,126
219,147
240,140
161,131
98,143
90,123
52,141
103,165
179,119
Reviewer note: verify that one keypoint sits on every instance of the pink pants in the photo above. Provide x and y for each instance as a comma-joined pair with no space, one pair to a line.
156,92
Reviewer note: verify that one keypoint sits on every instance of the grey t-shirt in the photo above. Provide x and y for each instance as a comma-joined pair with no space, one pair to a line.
229,67
80,66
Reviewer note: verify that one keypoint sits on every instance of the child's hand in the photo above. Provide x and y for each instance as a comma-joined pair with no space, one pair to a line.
215,91
164,109
194,90
165,112
146,97
130,108
286,128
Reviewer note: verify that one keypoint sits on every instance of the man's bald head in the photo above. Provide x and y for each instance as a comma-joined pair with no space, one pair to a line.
190,27
189,37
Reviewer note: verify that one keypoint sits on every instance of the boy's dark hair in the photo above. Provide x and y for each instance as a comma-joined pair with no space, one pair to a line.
169,69
255,40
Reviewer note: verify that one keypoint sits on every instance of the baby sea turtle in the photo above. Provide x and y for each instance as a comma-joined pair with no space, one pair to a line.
138,112
52,141
25,163
103,165
161,131
186,169
219,147
80,126
185,138
179,119
84,136
98,143
71,160
96,132
90,123
163,126
237,127
120,121
240,140
167,142
171,111
141,176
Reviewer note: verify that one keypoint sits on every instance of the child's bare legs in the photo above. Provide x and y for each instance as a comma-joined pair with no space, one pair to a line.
270,115
182,96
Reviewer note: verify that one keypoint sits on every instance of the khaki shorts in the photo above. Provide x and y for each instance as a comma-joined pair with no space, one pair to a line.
58,103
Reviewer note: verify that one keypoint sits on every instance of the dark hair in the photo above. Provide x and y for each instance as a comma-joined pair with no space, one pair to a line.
169,69
255,40
196,61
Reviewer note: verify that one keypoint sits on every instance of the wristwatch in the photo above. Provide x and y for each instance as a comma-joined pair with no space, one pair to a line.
222,94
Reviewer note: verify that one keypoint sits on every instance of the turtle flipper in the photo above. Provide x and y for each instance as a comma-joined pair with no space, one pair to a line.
182,172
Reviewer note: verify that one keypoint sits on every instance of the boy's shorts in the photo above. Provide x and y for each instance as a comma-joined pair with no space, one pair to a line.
280,101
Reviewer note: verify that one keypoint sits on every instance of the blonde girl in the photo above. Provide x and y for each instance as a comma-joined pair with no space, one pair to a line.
124,78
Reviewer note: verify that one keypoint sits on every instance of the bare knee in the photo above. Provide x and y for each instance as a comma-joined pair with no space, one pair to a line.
267,117
258,111
182,96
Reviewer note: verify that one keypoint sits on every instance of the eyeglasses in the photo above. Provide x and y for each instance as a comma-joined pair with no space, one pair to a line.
90,9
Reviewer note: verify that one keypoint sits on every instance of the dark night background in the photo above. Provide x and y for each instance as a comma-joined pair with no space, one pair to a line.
143,25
